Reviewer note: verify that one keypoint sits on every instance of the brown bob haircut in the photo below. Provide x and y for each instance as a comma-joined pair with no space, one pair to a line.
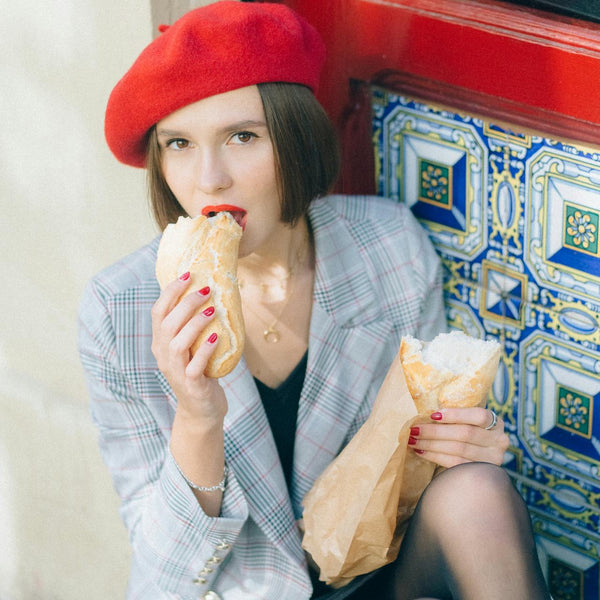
305,146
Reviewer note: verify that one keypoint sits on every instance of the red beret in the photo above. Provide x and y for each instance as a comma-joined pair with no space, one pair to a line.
210,50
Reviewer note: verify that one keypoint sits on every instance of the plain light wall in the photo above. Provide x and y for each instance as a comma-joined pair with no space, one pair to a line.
68,210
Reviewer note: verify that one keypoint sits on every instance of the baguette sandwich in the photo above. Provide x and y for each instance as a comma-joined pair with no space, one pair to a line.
208,247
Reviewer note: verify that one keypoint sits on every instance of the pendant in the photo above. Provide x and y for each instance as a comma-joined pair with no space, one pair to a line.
271,335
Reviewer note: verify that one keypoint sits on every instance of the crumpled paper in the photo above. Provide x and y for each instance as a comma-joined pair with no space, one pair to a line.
357,511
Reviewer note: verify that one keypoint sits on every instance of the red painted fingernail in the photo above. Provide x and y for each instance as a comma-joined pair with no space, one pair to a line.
185,276
412,441
212,339
415,431
204,291
437,416
418,451
209,312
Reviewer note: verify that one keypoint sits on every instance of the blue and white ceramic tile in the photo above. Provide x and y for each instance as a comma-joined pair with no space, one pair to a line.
516,218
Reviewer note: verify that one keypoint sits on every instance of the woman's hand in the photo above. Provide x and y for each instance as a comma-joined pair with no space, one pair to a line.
197,430
175,327
459,435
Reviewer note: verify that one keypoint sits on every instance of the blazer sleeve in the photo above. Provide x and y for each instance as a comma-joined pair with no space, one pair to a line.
172,539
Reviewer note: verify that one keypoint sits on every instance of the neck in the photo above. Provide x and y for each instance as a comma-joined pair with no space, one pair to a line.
278,262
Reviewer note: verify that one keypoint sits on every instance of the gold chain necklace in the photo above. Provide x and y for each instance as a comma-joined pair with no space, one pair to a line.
280,282
271,334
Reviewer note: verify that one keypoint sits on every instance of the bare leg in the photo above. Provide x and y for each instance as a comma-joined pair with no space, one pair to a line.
470,538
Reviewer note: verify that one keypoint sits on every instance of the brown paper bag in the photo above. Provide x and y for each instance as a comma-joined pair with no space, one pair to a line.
357,510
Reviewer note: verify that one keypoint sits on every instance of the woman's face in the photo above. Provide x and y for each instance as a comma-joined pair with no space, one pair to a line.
217,152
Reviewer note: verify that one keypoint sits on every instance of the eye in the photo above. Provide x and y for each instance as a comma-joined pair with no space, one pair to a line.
177,144
243,137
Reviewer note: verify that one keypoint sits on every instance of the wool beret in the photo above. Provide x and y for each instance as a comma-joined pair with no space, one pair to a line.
210,50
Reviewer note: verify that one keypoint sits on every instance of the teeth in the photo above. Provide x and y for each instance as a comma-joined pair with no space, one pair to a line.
236,215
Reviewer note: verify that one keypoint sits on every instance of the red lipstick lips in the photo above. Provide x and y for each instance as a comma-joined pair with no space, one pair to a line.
239,214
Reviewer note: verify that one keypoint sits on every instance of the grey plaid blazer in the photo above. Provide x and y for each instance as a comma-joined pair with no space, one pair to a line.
377,278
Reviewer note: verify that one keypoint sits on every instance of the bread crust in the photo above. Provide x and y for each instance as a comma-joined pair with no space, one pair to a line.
434,386
208,248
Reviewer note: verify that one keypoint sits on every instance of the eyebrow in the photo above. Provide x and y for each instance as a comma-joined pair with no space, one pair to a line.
237,126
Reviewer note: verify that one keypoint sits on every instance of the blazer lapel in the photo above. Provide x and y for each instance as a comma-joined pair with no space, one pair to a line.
336,387
349,351
251,453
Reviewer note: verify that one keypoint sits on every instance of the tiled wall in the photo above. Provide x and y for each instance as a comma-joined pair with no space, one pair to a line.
516,219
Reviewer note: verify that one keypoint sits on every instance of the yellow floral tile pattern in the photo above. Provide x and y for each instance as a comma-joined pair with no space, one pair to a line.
515,218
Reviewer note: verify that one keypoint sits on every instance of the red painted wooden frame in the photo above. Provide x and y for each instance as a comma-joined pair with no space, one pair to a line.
503,61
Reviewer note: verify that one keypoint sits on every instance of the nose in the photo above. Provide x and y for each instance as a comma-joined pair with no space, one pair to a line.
212,173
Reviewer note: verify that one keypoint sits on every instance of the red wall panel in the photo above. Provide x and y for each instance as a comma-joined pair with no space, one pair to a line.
539,68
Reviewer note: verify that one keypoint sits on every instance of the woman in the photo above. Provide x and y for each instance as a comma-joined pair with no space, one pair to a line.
211,474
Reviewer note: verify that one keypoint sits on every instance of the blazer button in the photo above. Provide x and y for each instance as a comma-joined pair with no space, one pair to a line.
210,595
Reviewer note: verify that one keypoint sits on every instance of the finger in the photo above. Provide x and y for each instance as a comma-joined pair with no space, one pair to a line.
480,417
183,311
461,442
169,297
442,460
197,364
460,432
458,451
180,346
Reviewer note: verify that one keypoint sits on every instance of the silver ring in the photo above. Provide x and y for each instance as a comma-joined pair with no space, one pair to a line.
494,420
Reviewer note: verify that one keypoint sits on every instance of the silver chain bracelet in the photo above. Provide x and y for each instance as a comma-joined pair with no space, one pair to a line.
211,488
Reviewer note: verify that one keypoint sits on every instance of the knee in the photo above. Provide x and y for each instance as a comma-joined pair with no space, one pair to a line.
469,489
